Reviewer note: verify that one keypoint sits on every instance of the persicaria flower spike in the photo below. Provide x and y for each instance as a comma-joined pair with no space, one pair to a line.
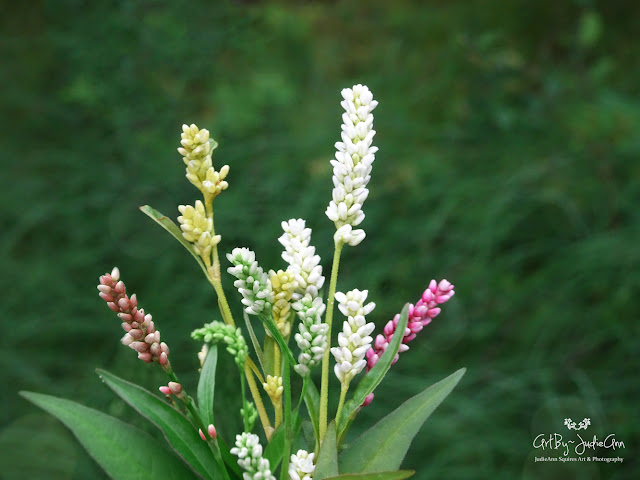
312,336
301,466
283,284
221,332
249,453
196,228
420,315
301,257
196,151
141,335
354,340
273,387
352,165
252,282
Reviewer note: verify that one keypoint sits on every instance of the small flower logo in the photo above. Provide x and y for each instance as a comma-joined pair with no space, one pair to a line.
571,425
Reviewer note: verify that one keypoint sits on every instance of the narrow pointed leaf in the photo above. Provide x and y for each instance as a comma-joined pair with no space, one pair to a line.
373,378
395,475
166,223
229,459
275,448
178,431
124,452
385,445
207,385
312,401
327,464
277,336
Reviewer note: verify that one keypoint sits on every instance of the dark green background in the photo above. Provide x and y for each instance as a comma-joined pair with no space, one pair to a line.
509,136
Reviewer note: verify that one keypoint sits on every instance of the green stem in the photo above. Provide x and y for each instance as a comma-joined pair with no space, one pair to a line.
212,442
324,391
245,410
257,399
284,469
343,393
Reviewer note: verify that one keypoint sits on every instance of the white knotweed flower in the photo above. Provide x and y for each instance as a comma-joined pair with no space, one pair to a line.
301,257
196,228
249,453
312,339
355,339
301,466
353,161
252,282
196,151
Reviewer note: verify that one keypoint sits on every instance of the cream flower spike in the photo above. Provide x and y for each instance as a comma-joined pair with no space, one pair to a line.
352,165
196,151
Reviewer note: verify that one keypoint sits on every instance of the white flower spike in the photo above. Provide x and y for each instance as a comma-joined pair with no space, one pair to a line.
352,165
355,339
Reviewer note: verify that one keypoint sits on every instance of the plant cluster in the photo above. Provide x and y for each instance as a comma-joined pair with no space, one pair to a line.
289,321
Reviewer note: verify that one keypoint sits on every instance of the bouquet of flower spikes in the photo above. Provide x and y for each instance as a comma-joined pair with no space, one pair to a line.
298,326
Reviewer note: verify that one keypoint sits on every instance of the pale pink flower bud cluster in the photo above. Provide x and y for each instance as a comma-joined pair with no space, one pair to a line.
141,335
420,315
173,388
354,341
211,430
352,165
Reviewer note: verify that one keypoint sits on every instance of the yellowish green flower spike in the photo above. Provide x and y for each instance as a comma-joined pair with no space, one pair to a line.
196,228
214,181
283,284
218,331
273,387
196,151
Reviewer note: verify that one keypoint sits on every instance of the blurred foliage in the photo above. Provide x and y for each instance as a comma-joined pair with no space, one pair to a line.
509,137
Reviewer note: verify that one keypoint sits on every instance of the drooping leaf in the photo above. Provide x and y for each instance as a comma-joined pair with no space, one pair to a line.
166,223
327,464
178,431
124,452
395,475
385,445
207,385
373,378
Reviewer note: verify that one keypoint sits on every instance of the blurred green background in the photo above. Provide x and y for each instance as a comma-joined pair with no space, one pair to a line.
509,136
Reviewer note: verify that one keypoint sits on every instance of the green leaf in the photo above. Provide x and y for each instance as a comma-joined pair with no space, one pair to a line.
275,448
229,459
312,401
178,431
124,452
327,464
385,445
207,385
166,223
277,336
395,475
373,378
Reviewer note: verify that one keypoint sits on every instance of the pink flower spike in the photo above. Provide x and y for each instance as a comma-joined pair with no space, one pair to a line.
211,430
202,435
419,315
165,390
